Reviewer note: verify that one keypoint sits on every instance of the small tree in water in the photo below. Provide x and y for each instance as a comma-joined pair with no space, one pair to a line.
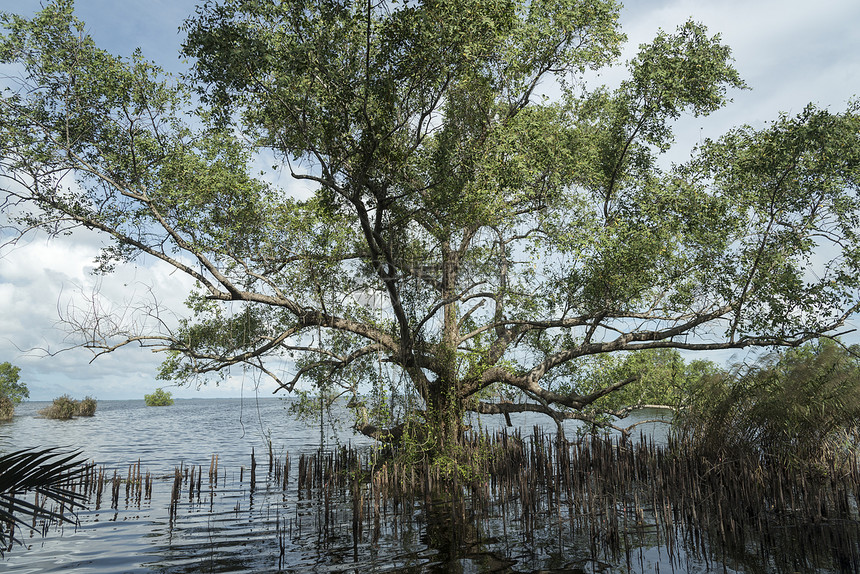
159,398
468,243
12,390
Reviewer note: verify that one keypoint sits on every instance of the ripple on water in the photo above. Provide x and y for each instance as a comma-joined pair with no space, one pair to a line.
220,530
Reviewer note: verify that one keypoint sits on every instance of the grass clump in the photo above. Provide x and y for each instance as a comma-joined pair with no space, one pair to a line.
63,408
160,398
87,407
798,409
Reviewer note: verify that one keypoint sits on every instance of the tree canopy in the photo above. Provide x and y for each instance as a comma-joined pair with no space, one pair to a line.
468,239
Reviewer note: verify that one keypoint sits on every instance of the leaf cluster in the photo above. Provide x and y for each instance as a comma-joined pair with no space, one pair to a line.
659,378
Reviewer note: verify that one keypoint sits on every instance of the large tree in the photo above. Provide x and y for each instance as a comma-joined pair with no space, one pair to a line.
469,238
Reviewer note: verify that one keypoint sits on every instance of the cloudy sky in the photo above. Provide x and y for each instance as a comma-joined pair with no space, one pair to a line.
790,52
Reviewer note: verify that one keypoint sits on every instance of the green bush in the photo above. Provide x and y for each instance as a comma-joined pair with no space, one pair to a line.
11,386
795,409
160,398
87,407
7,408
63,408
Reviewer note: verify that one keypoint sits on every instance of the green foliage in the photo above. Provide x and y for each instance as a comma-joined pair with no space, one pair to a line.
159,398
653,378
62,408
11,385
795,408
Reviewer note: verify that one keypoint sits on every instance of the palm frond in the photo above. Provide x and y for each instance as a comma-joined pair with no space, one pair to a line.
47,472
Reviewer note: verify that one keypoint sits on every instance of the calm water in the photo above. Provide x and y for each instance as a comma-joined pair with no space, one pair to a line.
229,529
188,432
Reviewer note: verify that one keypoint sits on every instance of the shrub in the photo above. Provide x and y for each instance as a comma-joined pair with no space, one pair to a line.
795,409
160,398
63,408
87,407
11,386
7,408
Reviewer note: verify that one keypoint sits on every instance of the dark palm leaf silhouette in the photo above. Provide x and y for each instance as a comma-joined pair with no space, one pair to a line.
47,472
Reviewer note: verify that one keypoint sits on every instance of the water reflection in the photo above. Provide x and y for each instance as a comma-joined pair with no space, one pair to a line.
547,506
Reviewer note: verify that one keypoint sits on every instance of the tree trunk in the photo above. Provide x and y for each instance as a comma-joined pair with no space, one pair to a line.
444,419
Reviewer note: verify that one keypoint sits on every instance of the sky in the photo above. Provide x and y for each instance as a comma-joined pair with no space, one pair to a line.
789,52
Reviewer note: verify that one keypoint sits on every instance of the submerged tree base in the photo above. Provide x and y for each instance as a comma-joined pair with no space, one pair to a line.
526,504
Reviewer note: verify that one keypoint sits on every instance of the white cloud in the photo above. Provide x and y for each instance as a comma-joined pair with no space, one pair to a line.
41,279
789,53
